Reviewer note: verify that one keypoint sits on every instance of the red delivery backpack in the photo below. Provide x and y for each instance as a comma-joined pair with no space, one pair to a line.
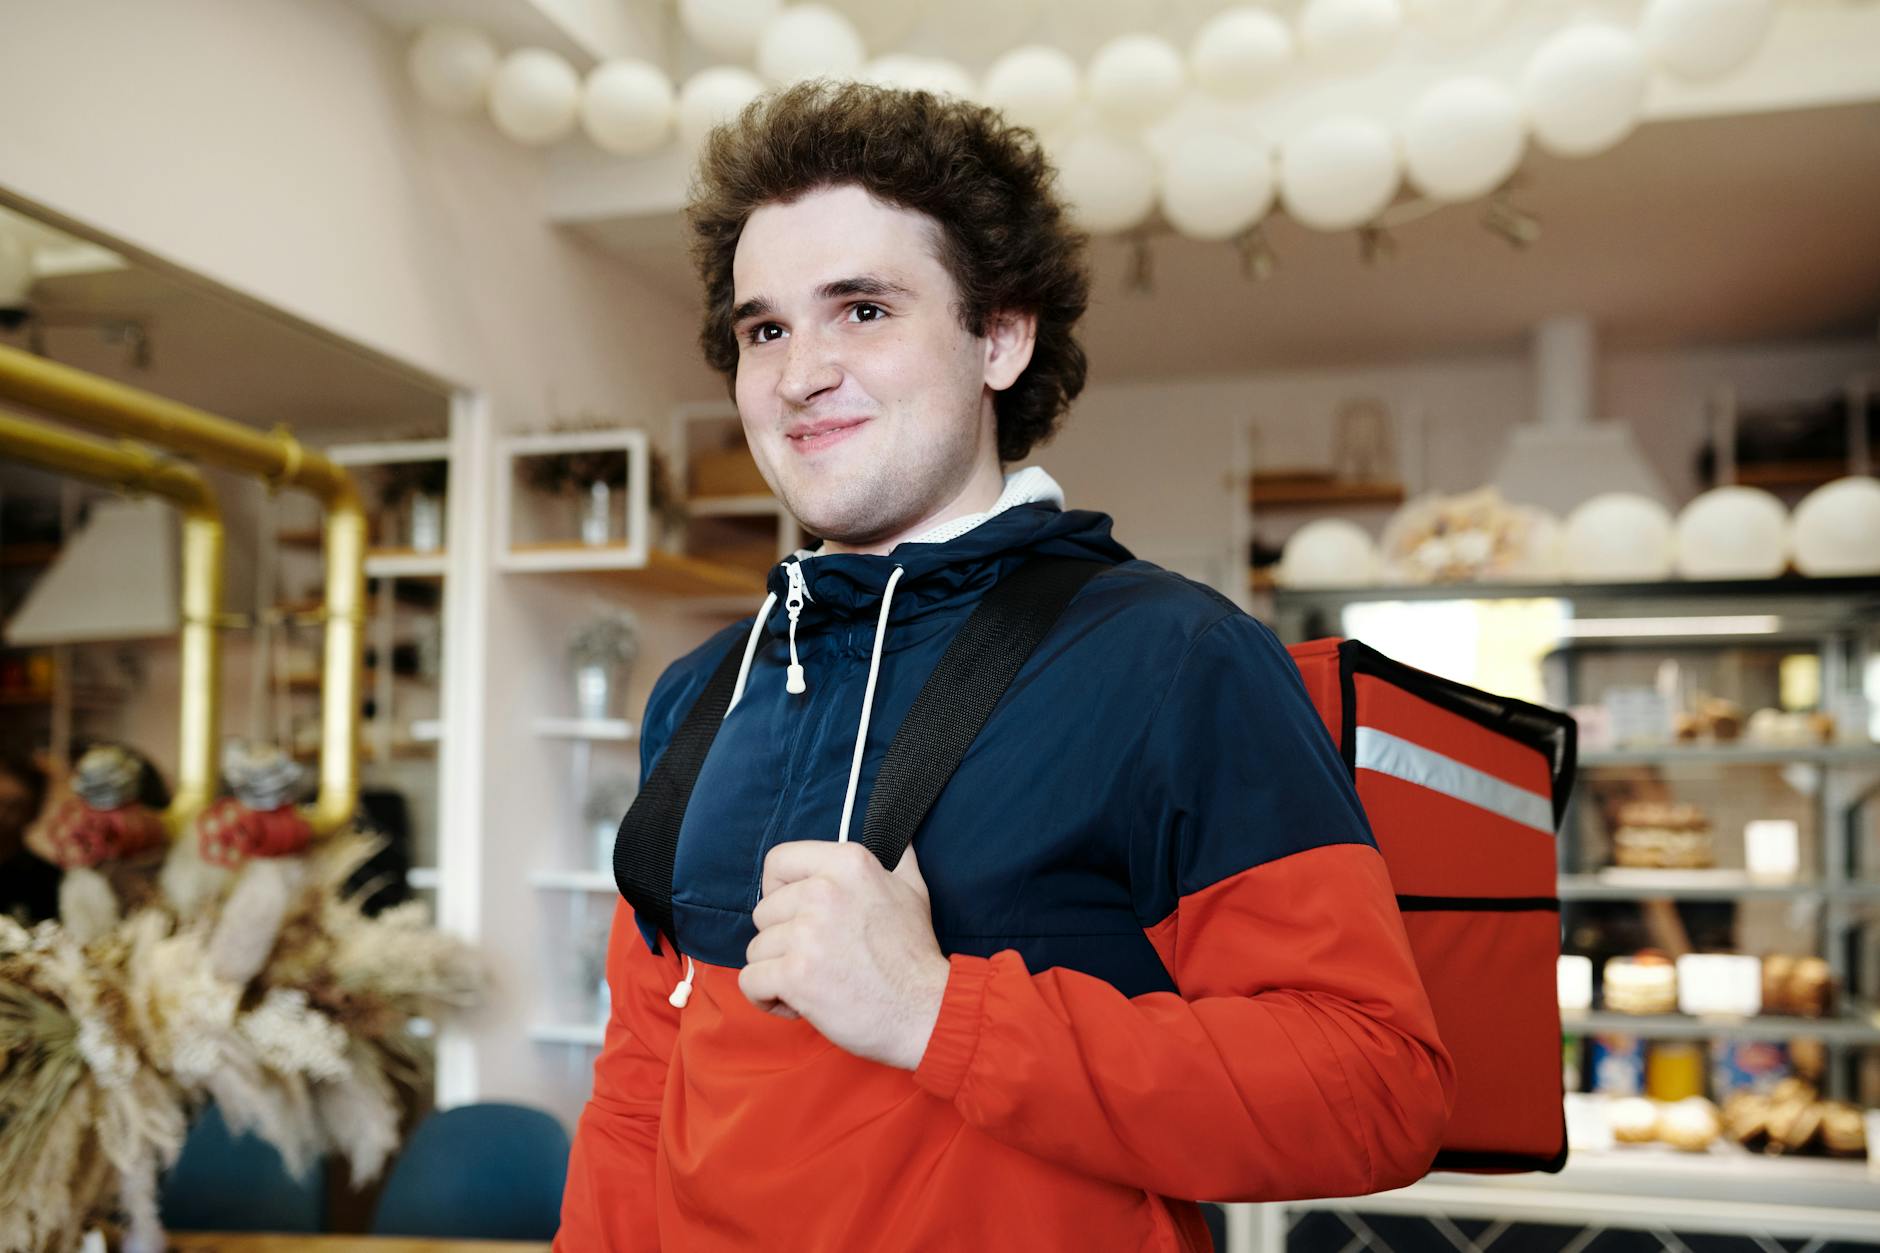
1464,791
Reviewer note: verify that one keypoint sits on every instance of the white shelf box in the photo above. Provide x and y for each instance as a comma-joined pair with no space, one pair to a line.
400,559
585,728
539,532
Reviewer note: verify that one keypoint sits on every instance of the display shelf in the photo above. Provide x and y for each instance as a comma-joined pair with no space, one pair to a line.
590,1034
574,880
306,537
1625,884
1735,755
1267,491
661,573
389,452
1861,588
406,563
1857,1023
584,728
731,506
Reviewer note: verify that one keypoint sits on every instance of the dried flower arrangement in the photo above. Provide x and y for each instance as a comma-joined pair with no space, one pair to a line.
281,1000
567,473
611,641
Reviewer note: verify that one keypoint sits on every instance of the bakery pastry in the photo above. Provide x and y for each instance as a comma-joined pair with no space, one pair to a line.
1633,1120
1843,1130
1658,835
1692,1124
1645,984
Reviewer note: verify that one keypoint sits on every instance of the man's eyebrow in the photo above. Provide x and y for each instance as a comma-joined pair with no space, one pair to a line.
859,285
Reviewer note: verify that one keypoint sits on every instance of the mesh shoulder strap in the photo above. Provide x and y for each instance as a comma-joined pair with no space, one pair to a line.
957,699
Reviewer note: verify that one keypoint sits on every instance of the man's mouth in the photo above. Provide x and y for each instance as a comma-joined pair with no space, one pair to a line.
824,435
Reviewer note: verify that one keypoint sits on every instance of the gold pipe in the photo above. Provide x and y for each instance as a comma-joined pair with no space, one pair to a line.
139,470
282,461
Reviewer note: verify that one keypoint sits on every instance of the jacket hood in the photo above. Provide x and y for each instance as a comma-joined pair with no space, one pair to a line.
947,565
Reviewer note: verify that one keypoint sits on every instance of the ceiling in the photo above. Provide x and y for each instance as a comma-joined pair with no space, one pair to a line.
1710,230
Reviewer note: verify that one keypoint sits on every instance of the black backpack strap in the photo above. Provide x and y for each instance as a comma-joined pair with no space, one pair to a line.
953,705
648,838
960,695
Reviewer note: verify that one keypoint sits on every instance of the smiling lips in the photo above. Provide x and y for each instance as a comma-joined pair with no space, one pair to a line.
811,437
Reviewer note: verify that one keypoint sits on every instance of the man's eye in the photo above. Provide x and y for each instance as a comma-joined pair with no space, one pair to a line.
864,306
756,335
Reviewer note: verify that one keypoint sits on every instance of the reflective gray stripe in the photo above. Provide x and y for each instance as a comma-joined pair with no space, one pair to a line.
1425,767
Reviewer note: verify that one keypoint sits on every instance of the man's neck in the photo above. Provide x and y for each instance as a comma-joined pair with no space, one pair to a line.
981,493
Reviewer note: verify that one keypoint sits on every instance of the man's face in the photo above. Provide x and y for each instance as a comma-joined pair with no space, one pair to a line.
864,400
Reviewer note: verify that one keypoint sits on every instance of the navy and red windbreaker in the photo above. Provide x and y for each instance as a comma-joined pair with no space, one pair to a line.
1178,970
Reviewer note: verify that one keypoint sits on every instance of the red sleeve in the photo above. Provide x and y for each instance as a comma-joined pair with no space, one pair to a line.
1300,1059
608,1204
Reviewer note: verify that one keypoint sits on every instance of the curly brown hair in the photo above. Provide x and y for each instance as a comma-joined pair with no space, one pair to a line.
1004,236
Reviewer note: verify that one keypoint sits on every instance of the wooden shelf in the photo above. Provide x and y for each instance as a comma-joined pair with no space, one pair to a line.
665,573
1856,1024
1790,473
1305,490
312,538
392,563
1622,884
23,555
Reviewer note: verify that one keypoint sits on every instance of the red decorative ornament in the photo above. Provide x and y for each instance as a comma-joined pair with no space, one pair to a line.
83,837
229,833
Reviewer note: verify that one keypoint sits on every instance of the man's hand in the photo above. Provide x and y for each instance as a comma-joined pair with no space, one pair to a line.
849,946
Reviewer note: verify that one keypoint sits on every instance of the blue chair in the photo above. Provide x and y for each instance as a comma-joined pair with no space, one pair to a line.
491,1172
223,1182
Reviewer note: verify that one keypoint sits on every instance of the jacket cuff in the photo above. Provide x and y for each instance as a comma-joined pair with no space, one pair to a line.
955,1035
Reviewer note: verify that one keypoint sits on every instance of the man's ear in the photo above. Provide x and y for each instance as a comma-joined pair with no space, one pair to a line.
1010,337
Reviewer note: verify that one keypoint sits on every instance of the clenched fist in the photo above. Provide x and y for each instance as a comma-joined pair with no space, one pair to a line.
850,947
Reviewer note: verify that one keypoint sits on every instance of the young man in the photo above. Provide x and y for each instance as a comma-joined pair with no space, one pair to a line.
1143,950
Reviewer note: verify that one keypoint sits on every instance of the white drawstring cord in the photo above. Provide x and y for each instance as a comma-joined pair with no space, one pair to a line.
750,651
868,705
799,592
682,993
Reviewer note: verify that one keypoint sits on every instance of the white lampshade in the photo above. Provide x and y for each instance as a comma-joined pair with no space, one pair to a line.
1836,529
727,28
809,41
1584,89
1109,182
628,107
117,578
1733,533
1239,53
1135,80
535,96
1338,174
1035,86
451,66
1462,139
1698,40
713,96
1215,185
1619,537
1349,34
1329,552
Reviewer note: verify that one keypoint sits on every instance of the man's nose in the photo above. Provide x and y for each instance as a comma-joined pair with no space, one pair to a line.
809,369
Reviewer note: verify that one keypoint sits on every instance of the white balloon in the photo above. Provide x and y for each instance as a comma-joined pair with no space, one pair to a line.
1349,34
1704,39
1035,86
1462,138
535,96
1339,174
1836,529
1584,89
713,96
1136,79
1733,533
809,41
1214,186
1109,182
1619,537
1328,552
451,66
975,31
1240,52
628,107
728,28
